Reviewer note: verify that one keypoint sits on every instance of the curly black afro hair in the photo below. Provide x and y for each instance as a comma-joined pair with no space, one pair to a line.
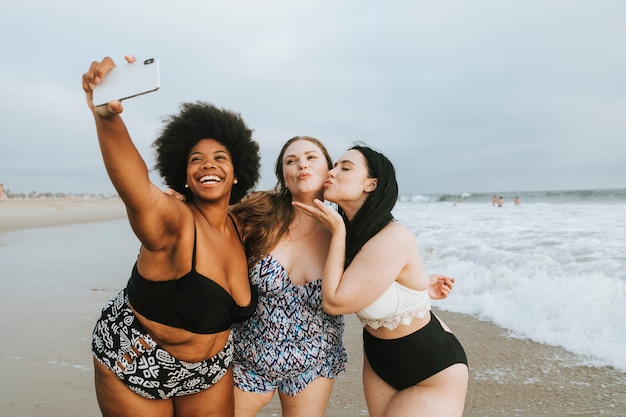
201,120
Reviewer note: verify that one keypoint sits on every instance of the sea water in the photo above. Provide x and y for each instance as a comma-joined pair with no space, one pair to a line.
83,256
551,269
54,283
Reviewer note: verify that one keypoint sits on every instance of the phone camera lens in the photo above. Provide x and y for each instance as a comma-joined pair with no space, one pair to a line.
148,61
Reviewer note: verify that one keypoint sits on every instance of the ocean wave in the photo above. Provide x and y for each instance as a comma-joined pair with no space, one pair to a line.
616,195
546,272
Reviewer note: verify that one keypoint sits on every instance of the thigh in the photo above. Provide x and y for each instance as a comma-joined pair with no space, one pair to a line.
442,395
116,399
310,402
378,394
248,404
217,400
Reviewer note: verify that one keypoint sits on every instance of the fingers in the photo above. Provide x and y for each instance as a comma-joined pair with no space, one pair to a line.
316,211
443,278
93,77
88,79
446,278
320,211
175,194
441,286
96,73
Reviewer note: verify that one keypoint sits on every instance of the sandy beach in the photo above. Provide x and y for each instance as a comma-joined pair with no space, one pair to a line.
46,370
16,214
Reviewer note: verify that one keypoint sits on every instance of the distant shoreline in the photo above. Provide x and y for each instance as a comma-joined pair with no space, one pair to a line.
24,213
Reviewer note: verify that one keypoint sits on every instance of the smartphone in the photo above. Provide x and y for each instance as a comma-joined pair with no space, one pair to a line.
128,80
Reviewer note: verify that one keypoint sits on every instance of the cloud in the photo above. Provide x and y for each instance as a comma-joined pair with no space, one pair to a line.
462,96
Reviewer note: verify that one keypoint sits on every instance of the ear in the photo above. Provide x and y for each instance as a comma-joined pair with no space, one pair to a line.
371,185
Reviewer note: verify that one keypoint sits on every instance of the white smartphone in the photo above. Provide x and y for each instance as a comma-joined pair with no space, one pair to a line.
128,80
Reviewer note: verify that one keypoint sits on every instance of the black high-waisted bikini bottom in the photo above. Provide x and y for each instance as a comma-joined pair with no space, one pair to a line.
408,360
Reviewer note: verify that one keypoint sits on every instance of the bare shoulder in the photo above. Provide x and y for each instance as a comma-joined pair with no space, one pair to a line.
398,231
393,238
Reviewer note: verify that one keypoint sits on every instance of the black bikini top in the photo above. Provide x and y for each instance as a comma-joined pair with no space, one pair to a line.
192,302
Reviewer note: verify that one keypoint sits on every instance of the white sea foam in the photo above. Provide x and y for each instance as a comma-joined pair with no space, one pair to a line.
551,272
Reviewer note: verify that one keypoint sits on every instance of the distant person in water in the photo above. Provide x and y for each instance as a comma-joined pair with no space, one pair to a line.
494,200
3,196
500,201
516,201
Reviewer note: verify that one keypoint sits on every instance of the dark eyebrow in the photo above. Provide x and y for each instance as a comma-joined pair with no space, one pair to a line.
217,152
345,161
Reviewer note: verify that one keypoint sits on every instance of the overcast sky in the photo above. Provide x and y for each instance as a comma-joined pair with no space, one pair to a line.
462,96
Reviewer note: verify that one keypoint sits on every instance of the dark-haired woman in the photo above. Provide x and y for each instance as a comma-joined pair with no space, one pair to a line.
413,365
162,346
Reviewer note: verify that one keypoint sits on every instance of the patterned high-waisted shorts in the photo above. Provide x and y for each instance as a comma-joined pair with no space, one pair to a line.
122,345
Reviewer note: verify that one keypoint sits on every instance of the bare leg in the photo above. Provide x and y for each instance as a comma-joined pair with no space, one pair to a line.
248,404
378,394
116,399
213,402
310,402
442,395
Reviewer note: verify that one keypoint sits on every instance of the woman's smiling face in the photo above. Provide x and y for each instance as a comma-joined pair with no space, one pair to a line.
210,169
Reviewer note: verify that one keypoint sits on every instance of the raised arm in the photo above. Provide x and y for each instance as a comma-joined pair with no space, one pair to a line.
146,204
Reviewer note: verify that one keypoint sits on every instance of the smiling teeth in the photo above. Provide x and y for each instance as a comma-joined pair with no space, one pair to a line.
208,178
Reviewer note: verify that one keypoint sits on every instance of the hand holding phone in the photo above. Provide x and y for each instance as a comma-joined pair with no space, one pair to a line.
128,80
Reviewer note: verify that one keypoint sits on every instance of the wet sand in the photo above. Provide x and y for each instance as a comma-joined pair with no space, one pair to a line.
16,214
46,369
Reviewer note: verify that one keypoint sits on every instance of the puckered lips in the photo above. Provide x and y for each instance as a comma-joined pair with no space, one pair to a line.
303,176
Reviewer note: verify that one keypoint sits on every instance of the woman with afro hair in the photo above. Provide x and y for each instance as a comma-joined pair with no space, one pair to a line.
162,346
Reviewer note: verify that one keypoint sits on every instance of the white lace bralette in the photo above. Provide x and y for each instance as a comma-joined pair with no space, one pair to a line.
397,305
